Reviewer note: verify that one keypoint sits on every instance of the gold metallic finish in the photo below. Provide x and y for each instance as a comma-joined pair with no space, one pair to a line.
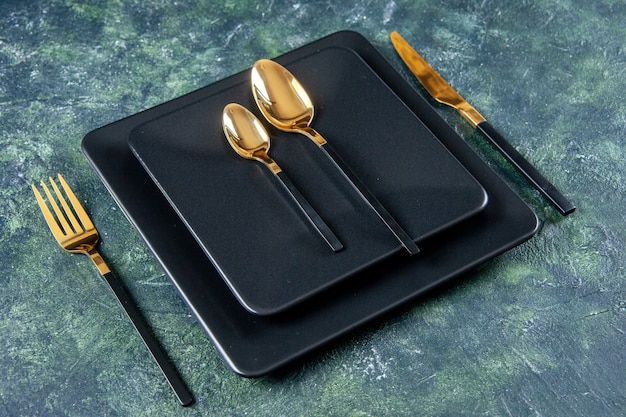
70,225
433,82
73,229
250,140
444,93
247,136
99,262
286,105
282,99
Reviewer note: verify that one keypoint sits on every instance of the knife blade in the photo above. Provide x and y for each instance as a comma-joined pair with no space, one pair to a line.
443,92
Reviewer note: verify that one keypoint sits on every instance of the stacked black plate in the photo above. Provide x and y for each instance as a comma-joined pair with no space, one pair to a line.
260,281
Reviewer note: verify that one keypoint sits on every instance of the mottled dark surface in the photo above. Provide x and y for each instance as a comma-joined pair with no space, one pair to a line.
539,331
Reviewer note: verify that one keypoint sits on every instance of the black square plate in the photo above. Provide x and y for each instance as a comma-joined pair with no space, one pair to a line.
253,345
238,212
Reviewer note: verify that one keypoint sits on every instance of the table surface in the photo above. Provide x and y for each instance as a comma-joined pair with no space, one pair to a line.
540,330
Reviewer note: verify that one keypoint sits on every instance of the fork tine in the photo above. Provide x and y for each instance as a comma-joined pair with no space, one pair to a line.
84,241
68,212
47,214
78,208
60,218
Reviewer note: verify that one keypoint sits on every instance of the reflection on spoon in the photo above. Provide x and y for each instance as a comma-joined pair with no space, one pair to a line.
247,136
286,105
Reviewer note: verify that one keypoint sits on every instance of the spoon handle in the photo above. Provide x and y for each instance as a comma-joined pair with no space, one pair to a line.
317,222
397,230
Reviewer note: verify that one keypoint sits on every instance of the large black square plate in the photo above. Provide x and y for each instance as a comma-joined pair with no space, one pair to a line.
236,209
251,344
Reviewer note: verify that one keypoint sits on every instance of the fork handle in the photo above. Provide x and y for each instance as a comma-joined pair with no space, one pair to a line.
139,322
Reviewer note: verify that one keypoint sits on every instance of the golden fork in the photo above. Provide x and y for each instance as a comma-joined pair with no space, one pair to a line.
75,232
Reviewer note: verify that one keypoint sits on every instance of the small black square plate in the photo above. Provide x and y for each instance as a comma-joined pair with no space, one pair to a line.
263,247
253,345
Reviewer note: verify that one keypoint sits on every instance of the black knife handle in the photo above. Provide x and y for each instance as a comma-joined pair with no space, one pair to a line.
558,200
134,314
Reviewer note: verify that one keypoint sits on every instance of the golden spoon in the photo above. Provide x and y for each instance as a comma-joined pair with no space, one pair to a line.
250,140
286,105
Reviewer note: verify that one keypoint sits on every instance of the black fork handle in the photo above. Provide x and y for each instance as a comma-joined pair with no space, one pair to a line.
139,322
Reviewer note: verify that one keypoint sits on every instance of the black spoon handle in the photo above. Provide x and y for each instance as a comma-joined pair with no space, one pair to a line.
317,222
397,230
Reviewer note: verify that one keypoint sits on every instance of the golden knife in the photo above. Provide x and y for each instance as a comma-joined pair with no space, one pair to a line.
445,94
